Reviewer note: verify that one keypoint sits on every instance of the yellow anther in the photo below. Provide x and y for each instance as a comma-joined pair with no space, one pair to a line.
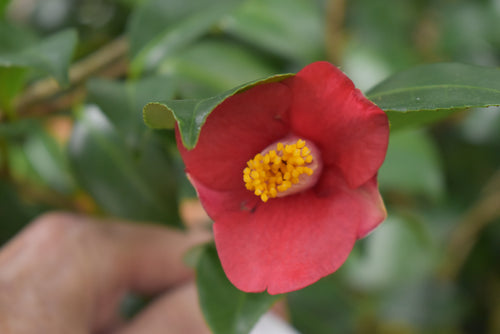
282,188
274,172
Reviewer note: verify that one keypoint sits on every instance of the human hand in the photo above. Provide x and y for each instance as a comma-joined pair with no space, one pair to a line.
67,274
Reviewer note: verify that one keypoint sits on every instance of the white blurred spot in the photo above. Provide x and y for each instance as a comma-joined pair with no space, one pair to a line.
482,125
271,324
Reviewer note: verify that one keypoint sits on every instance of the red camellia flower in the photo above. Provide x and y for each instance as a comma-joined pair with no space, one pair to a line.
287,170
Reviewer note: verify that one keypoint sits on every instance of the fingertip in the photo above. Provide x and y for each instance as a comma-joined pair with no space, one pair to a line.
175,312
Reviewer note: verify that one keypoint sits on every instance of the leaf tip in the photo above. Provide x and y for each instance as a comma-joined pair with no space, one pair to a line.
158,116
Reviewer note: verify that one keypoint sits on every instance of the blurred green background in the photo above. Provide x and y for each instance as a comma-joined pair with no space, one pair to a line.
79,143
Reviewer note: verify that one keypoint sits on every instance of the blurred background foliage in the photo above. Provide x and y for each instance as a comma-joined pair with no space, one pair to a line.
74,76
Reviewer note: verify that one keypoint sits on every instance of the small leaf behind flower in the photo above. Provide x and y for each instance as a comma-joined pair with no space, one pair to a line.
227,310
192,114
430,92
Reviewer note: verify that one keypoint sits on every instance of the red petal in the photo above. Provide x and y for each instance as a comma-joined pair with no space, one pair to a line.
291,242
374,207
351,131
218,203
234,132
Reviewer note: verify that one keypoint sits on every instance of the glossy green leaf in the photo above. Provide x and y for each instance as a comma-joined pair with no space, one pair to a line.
168,26
191,114
50,56
430,92
127,184
291,29
157,117
227,310
412,166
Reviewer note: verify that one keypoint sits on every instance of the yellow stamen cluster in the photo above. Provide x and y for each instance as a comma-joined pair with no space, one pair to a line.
276,171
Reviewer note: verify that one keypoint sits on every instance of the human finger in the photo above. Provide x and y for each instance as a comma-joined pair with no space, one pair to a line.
82,267
175,312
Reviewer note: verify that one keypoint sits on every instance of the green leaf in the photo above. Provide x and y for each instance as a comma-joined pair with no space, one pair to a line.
169,26
132,185
291,29
227,310
430,92
191,114
50,56
158,116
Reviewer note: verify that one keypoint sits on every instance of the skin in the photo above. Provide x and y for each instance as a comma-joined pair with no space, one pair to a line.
67,274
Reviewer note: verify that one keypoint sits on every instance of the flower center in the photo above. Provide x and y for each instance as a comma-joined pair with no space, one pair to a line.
287,167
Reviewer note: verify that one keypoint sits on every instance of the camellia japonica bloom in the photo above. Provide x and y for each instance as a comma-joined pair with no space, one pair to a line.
287,170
